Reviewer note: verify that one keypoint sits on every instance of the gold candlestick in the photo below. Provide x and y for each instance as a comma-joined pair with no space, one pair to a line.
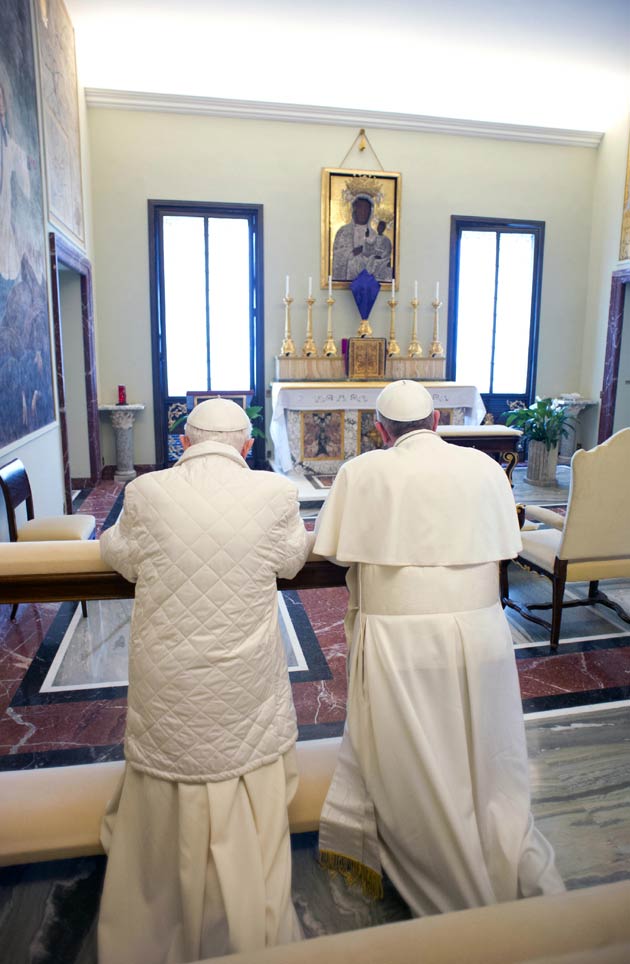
309,348
392,345
288,346
329,349
437,348
415,348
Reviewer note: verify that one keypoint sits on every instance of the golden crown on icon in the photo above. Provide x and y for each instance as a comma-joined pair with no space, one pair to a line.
364,184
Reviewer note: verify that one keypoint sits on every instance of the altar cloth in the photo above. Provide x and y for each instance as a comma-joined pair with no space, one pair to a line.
354,396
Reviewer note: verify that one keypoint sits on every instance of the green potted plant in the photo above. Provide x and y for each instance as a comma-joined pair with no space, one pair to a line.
543,425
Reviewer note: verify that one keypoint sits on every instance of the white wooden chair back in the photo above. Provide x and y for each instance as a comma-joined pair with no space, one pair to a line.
598,512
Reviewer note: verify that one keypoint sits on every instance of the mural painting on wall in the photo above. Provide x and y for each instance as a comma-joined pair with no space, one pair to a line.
26,393
61,116
360,225
624,248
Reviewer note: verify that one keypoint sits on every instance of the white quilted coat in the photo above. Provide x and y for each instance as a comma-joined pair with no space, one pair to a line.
209,693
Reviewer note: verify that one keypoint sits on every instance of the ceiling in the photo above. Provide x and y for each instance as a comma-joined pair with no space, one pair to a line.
549,63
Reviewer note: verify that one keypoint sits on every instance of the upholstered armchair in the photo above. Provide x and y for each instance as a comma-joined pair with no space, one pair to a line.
590,543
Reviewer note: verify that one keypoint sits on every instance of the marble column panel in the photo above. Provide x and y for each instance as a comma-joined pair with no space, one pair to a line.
613,352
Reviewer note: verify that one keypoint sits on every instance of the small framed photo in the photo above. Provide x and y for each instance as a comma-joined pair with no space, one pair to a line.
243,398
360,225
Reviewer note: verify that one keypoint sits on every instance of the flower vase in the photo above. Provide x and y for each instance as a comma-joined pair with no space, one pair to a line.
541,463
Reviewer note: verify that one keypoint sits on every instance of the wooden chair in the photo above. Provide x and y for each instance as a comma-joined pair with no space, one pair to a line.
591,543
16,490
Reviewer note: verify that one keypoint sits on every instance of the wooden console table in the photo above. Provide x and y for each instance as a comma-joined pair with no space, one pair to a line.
497,440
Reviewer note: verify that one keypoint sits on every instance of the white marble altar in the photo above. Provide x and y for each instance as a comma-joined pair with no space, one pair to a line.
290,400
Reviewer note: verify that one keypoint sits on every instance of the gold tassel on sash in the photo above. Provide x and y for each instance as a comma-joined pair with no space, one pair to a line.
353,872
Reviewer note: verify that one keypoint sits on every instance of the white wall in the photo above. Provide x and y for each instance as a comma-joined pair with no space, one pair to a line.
140,155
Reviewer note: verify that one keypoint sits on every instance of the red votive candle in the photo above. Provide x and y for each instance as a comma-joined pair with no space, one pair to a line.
122,395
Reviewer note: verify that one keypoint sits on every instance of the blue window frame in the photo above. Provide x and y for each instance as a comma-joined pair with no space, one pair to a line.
207,322
494,307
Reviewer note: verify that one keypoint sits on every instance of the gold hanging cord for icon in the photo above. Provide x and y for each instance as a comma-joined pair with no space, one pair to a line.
364,142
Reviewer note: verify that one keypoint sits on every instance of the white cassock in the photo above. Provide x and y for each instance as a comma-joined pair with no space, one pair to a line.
198,869
432,779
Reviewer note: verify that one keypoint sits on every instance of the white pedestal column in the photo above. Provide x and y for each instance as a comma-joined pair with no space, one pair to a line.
122,419
574,405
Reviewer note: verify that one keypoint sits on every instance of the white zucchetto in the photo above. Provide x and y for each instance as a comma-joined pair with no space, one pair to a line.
404,401
219,415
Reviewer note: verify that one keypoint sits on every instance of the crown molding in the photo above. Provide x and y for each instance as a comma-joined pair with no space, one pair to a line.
305,114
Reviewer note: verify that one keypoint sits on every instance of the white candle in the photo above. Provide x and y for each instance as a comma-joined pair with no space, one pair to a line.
393,288
330,286
310,287
286,289
415,290
437,290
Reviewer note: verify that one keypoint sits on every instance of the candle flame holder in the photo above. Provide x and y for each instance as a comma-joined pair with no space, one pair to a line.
392,345
287,349
415,348
309,348
437,348
330,348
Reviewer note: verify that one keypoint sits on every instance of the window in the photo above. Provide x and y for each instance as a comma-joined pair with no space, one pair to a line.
206,309
494,302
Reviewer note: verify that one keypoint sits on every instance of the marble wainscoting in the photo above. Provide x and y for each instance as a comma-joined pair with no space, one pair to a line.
580,778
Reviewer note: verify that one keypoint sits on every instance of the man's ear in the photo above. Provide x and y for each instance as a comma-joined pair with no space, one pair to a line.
247,447
436,418
185,441
382,431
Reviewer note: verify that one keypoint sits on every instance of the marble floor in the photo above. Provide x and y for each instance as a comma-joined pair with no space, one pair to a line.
63,678
63,700
580,777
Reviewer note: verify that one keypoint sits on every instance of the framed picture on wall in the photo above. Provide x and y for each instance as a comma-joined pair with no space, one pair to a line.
244,398
360,225
60,107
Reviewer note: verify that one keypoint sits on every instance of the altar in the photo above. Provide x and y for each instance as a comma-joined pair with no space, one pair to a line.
317,426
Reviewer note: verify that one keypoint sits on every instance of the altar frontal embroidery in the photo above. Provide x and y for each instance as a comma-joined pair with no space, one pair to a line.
321,435
367,433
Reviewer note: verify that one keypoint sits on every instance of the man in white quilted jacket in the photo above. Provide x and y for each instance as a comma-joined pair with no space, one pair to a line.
197,835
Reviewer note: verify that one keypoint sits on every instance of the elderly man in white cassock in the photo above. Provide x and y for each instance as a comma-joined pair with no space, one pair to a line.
197,835
432,783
